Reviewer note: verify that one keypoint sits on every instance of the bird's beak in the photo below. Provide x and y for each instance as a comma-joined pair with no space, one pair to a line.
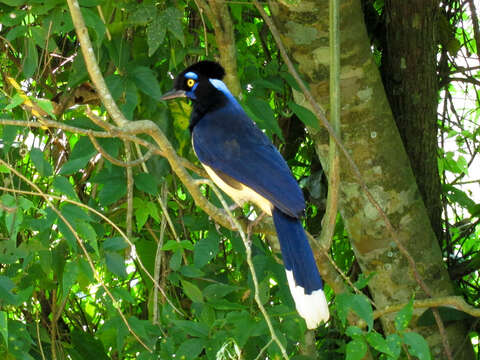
172,94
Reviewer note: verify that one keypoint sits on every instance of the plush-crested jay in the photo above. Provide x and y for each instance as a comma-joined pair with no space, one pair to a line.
243,162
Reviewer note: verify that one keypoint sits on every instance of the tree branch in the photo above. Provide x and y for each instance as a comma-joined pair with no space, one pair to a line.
456,302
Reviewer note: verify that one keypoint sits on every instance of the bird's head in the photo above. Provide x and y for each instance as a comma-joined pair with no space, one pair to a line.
199,82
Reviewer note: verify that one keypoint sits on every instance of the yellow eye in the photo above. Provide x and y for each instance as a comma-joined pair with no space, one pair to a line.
190,82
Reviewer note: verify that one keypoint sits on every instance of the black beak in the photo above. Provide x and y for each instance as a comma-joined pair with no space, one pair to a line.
172,94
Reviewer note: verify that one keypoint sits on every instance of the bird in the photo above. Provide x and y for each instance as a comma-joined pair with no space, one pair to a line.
242,161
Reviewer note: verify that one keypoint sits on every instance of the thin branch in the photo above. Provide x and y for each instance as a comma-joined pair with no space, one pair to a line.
158,258
330,218
113,132
37,323
456,302
129,215
117,162
92,65
200,9
263,349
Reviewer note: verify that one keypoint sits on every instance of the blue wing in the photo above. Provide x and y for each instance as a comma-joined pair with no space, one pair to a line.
228,141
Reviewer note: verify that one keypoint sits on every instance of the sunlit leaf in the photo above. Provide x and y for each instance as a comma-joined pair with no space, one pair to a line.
417,345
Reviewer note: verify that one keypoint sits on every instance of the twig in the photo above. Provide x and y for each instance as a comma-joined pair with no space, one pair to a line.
456,302
263,349
92,65
37,323
127,164
330,218
129,214
158,259
114,133
200,9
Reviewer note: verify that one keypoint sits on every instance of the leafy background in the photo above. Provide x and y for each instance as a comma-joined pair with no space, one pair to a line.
71,283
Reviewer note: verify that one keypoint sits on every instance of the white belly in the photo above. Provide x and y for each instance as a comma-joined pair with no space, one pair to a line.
241,195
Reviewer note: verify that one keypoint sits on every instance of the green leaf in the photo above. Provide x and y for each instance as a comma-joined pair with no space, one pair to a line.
4,327
357,303
64,187
458,196
263,115
113,191
87,232
363,309
47,106
6,294
174,245
356,350
30,58
192,291
114,244
69,277
192,328
80,156
116,264
74,213
146,81
143,13
218,291
93,21
172,18
146,183
363,281
41,37
72,166
86,346
155,34
141,215
205,250
354,332
417,345
16,100
404,316
305,115
191,271
394,342
13,2
342,301
123,294
190,349
43,166
176,261
379,343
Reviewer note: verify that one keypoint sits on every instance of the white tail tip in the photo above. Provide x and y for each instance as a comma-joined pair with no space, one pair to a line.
312,307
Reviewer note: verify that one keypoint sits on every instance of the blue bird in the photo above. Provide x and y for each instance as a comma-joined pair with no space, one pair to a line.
243,162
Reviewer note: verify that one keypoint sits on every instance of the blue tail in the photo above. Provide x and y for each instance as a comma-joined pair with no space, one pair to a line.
303,278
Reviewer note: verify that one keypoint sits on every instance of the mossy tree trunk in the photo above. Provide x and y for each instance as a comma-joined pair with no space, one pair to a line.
370,134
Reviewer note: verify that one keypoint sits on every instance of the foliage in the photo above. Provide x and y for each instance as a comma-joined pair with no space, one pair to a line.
78,262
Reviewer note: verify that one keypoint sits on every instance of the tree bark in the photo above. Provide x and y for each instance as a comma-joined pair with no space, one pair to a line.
409,72
370,134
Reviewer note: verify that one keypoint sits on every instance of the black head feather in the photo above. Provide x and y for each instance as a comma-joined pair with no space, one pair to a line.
210,69
206,68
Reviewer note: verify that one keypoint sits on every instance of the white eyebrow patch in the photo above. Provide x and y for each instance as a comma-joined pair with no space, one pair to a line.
191,75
